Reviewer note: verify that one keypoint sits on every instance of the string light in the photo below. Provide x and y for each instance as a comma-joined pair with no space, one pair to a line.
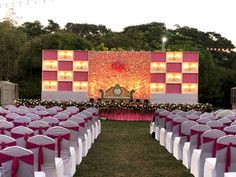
19,3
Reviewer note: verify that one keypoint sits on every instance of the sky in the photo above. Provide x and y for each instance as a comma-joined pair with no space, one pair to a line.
206,15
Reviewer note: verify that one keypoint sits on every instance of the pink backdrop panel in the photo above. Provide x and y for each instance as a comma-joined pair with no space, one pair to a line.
174,67
49,75
81,55
158,78
65,65
190,56
80,76
64,86
49,54
190,78
158,57
173,88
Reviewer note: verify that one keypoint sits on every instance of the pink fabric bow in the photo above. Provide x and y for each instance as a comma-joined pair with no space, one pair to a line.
179,127
220,146
19,135
40,129
82,124
59,140
29,159
199,133
207,140
20,124
229,132
3,145
31,145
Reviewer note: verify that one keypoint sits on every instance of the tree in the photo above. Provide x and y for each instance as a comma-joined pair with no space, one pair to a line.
52,26
33,29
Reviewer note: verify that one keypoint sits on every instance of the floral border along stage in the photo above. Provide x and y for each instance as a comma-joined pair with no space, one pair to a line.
133,105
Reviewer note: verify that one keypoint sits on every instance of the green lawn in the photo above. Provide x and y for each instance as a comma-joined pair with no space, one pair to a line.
126,149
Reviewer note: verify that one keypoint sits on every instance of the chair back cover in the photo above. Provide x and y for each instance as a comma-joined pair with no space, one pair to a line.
81,123
215,124
40,108
231,130
21,134
157,116
21,120
11,116
177,125
225,121
32,110
169,122
206,114
6,141
51,121
39,127
23,107
61,116
22,112
212,117
62,137
66,112
59,109
51,111
17,162
162,117
233,123
196,136
231,117
72,111
203,120
192,116
182,114
225,113
33,116
225,155
12,109
43,148
185,131
42,113
74,129
2,118
5,127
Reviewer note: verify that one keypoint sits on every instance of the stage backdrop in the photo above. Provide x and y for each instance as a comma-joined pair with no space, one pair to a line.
159,76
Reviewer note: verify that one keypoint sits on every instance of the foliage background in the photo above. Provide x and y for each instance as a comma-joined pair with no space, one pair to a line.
21,49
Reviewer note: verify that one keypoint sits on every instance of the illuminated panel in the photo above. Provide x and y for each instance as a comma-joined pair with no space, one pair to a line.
173,77
65,54
49,85
129,69
158,67
80,65
189,88
157,88
80,86
190,67
50,65
174,57
65,75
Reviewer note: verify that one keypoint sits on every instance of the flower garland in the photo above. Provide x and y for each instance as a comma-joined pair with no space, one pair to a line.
136,105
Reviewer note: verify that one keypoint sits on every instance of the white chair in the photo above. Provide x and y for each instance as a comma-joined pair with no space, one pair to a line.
63,149
87,127
21,134
23,107
59,109
21,120
90,124
11,116
225,113
231,130
230,174
61,116
192,117
95,127
233,123
2,118
161,124
231,117
43,148
66,112
182,114
206,114
156,127
32,110
170,136
40,108
194,143
216,124
22,112
203,120
225,121
95,113
5,127
51,121
39,127
51,111
72,110
82,133
18,162
42,113
33,116
6,141
75,141
176,111
184,136
12,109
208,149
225,160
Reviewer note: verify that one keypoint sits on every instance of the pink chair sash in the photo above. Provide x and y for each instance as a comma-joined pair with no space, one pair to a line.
185,135
228,153
4,129
3,145
229,132
177,123
207,140
198,132
40,129
29,159
30,145
95,114
87,119
20,124
54,124
59,139
82,124
19,135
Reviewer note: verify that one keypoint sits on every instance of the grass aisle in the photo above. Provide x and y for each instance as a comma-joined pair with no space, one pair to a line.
125,149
